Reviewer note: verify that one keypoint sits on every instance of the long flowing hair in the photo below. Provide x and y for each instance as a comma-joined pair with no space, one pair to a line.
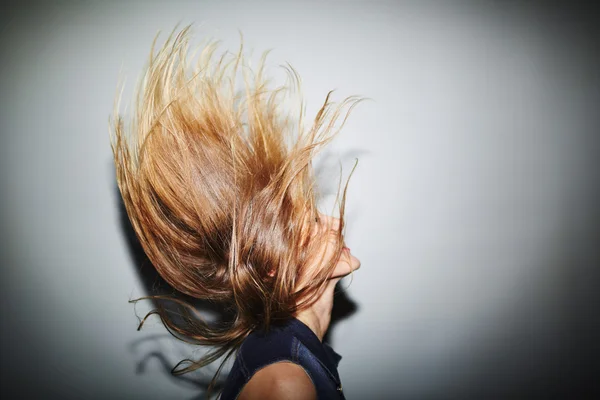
219,188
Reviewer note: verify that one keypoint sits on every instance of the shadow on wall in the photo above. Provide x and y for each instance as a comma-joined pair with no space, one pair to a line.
154,284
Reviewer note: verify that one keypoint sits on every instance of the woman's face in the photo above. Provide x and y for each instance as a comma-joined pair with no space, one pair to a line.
328,227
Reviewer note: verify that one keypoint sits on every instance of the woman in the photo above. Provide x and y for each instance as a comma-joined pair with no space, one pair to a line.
219,188
290,362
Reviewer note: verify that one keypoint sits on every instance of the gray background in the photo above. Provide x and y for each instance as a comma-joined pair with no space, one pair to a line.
474,206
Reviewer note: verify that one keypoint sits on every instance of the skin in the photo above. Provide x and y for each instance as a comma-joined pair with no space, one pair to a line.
282,380
286,380
318,316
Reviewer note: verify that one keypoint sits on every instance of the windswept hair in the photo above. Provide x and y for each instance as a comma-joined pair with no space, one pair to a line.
219,188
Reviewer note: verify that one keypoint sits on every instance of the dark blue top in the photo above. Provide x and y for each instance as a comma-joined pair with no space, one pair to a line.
294,342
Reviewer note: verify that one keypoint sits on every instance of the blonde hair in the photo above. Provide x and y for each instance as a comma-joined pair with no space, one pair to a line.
219,188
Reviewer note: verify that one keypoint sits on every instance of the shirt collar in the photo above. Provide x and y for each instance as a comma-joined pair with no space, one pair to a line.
324,353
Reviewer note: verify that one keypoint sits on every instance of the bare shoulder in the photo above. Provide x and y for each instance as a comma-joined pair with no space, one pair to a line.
282,380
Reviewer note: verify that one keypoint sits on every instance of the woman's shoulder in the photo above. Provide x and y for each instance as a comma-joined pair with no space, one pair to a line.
280,380
272,367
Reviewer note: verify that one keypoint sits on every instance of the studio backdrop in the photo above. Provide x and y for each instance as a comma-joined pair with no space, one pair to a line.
474,206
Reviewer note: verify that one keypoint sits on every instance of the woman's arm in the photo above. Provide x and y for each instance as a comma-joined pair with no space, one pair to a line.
282,380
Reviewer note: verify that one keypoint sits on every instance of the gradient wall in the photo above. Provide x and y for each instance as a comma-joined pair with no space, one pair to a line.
474,207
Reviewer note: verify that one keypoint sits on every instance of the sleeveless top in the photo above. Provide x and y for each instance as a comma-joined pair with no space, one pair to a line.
294,342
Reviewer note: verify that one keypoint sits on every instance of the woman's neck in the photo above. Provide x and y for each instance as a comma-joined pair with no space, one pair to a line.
318,324
318,316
